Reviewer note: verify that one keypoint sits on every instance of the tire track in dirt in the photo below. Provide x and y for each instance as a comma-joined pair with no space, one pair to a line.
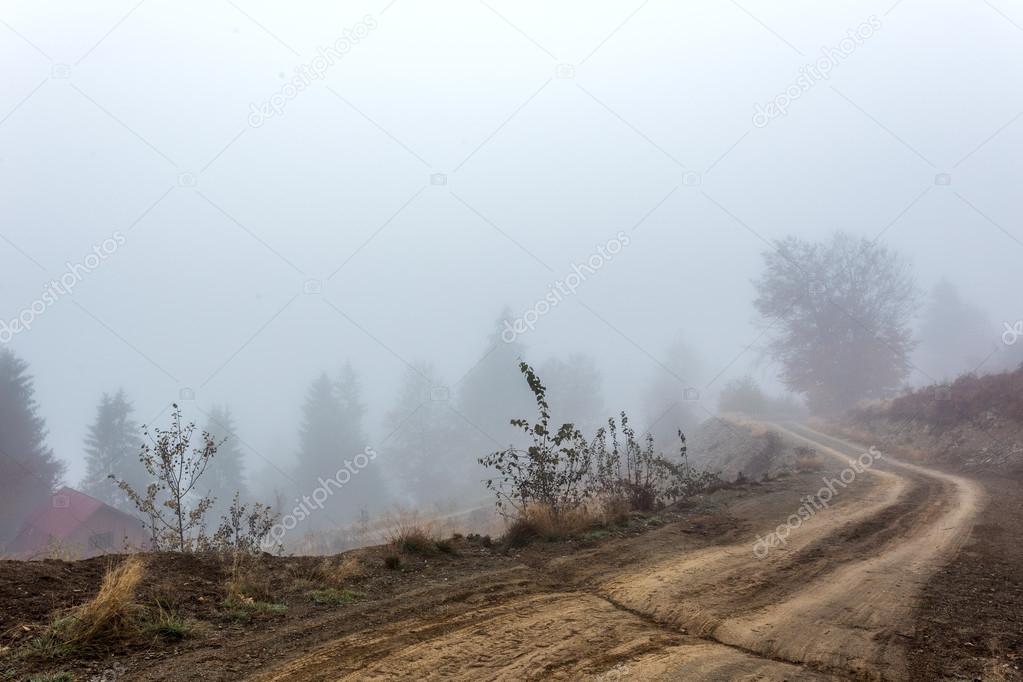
699,590
557,636
852,618
829,605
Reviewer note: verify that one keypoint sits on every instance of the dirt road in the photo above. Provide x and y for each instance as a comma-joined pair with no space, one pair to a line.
835,602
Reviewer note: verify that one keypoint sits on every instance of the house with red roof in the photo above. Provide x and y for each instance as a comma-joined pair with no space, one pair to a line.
71,523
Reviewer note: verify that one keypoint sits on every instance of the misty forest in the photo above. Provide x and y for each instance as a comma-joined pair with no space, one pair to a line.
486,340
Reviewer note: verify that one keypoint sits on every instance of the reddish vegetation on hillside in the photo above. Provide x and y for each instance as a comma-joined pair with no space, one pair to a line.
967,398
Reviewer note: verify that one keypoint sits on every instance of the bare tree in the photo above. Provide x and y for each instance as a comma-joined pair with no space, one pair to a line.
840,312
172,503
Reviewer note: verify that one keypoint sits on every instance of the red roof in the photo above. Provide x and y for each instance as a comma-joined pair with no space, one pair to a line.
65,511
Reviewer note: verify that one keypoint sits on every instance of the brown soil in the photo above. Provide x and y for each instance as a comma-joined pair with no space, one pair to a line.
970,619
896,579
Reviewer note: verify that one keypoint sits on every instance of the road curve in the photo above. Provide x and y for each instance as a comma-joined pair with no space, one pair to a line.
854,617
835,602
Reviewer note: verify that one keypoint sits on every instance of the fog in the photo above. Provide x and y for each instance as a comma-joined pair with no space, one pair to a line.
460,159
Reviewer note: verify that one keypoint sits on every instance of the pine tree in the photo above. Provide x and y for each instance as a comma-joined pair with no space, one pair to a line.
351,411
367,489
493,393
490,395
225,475
332,438
112,446
956,336
320,433
28,469
419,438
574,392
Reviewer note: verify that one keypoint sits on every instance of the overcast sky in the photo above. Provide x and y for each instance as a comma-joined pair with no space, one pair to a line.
463,156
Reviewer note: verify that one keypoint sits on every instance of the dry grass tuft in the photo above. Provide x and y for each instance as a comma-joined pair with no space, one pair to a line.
337,571
409,533
248,582
446,547
168,625
112,613
543,523
248,593
615,511
109,619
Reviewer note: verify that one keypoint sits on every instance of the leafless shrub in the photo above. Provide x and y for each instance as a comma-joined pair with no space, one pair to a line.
175,467
628,470
680,480
242,529
173,504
